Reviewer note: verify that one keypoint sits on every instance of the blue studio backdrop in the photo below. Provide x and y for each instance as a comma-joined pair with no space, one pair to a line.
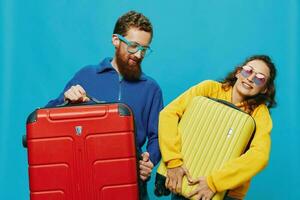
43,43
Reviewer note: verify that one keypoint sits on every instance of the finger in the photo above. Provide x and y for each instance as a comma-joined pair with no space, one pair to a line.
169,185
85,99
145,169
148,164
202,179
143,177
167,182
192,193
143,173
205,198
172,185
145,156
198,197
188,175
66,95
70,96
194,181
81,90
79,93
76,91
179,185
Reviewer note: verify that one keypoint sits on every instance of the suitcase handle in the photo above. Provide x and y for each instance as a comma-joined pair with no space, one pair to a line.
94,99
226,103
160,188
67,102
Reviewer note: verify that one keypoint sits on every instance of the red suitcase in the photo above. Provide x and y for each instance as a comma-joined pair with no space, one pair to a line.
84,152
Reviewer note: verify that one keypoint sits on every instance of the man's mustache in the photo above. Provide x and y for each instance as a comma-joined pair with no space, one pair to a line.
136,59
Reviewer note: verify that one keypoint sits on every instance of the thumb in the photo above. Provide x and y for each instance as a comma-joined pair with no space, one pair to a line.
145,156
188,175
85,99
194,181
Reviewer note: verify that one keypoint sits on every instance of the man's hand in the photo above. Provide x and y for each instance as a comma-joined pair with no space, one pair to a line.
174,178
202,192
146,166
76,94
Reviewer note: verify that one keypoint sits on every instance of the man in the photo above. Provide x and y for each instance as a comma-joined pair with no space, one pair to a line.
120,79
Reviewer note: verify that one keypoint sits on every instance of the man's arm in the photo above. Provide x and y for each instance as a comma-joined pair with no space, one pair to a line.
152,129
69,92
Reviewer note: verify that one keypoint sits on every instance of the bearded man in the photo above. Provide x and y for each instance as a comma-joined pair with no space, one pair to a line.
120,79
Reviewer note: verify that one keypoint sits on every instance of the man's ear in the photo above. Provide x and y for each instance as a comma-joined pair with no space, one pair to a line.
115,40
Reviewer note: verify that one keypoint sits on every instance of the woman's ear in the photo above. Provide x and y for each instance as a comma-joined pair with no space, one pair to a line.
237,73
264,91
115,40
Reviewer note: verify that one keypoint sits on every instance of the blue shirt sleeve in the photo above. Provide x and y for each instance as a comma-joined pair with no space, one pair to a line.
60,99
152,130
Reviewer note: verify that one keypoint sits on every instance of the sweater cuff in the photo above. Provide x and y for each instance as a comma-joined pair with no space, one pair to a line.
174,163
210,184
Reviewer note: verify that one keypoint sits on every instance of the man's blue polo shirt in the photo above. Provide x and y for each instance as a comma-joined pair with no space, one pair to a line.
143,96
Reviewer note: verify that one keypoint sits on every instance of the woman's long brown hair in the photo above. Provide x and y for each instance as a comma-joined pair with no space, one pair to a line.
267,98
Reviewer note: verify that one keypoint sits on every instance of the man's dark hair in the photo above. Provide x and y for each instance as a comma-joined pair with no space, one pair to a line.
132,19
269,97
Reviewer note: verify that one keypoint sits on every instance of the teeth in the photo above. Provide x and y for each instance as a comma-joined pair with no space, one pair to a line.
246,85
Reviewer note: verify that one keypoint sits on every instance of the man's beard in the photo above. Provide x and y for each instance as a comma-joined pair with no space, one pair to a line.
130,72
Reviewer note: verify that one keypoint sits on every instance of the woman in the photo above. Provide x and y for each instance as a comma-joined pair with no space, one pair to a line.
250,87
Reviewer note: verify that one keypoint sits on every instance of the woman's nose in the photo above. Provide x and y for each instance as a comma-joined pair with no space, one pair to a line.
251,77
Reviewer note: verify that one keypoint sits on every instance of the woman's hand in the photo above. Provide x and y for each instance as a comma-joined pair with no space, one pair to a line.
174,178
202,192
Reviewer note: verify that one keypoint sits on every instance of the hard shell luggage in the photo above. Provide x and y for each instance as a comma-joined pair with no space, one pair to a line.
82,152
213,132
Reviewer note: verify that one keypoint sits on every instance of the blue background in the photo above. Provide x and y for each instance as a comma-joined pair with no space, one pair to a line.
43,43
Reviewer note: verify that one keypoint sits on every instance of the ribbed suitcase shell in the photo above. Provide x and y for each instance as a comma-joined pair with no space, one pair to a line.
82,152
212,133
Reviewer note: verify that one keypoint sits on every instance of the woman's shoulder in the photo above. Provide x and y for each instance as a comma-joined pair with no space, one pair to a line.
262,113
210,88
261,109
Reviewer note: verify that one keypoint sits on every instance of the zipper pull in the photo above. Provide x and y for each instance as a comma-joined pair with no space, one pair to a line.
120,91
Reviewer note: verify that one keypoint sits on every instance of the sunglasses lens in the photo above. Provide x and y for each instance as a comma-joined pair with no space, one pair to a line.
259,79
133,48
246,71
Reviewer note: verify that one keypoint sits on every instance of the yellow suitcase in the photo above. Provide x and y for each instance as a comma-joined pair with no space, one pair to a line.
213,132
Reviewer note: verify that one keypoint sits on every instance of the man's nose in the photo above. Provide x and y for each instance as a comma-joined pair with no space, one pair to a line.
139,54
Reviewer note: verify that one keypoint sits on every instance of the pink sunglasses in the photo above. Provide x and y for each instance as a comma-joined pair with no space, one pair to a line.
258,79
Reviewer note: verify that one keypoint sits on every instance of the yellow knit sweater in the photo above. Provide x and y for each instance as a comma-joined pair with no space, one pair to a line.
235,175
